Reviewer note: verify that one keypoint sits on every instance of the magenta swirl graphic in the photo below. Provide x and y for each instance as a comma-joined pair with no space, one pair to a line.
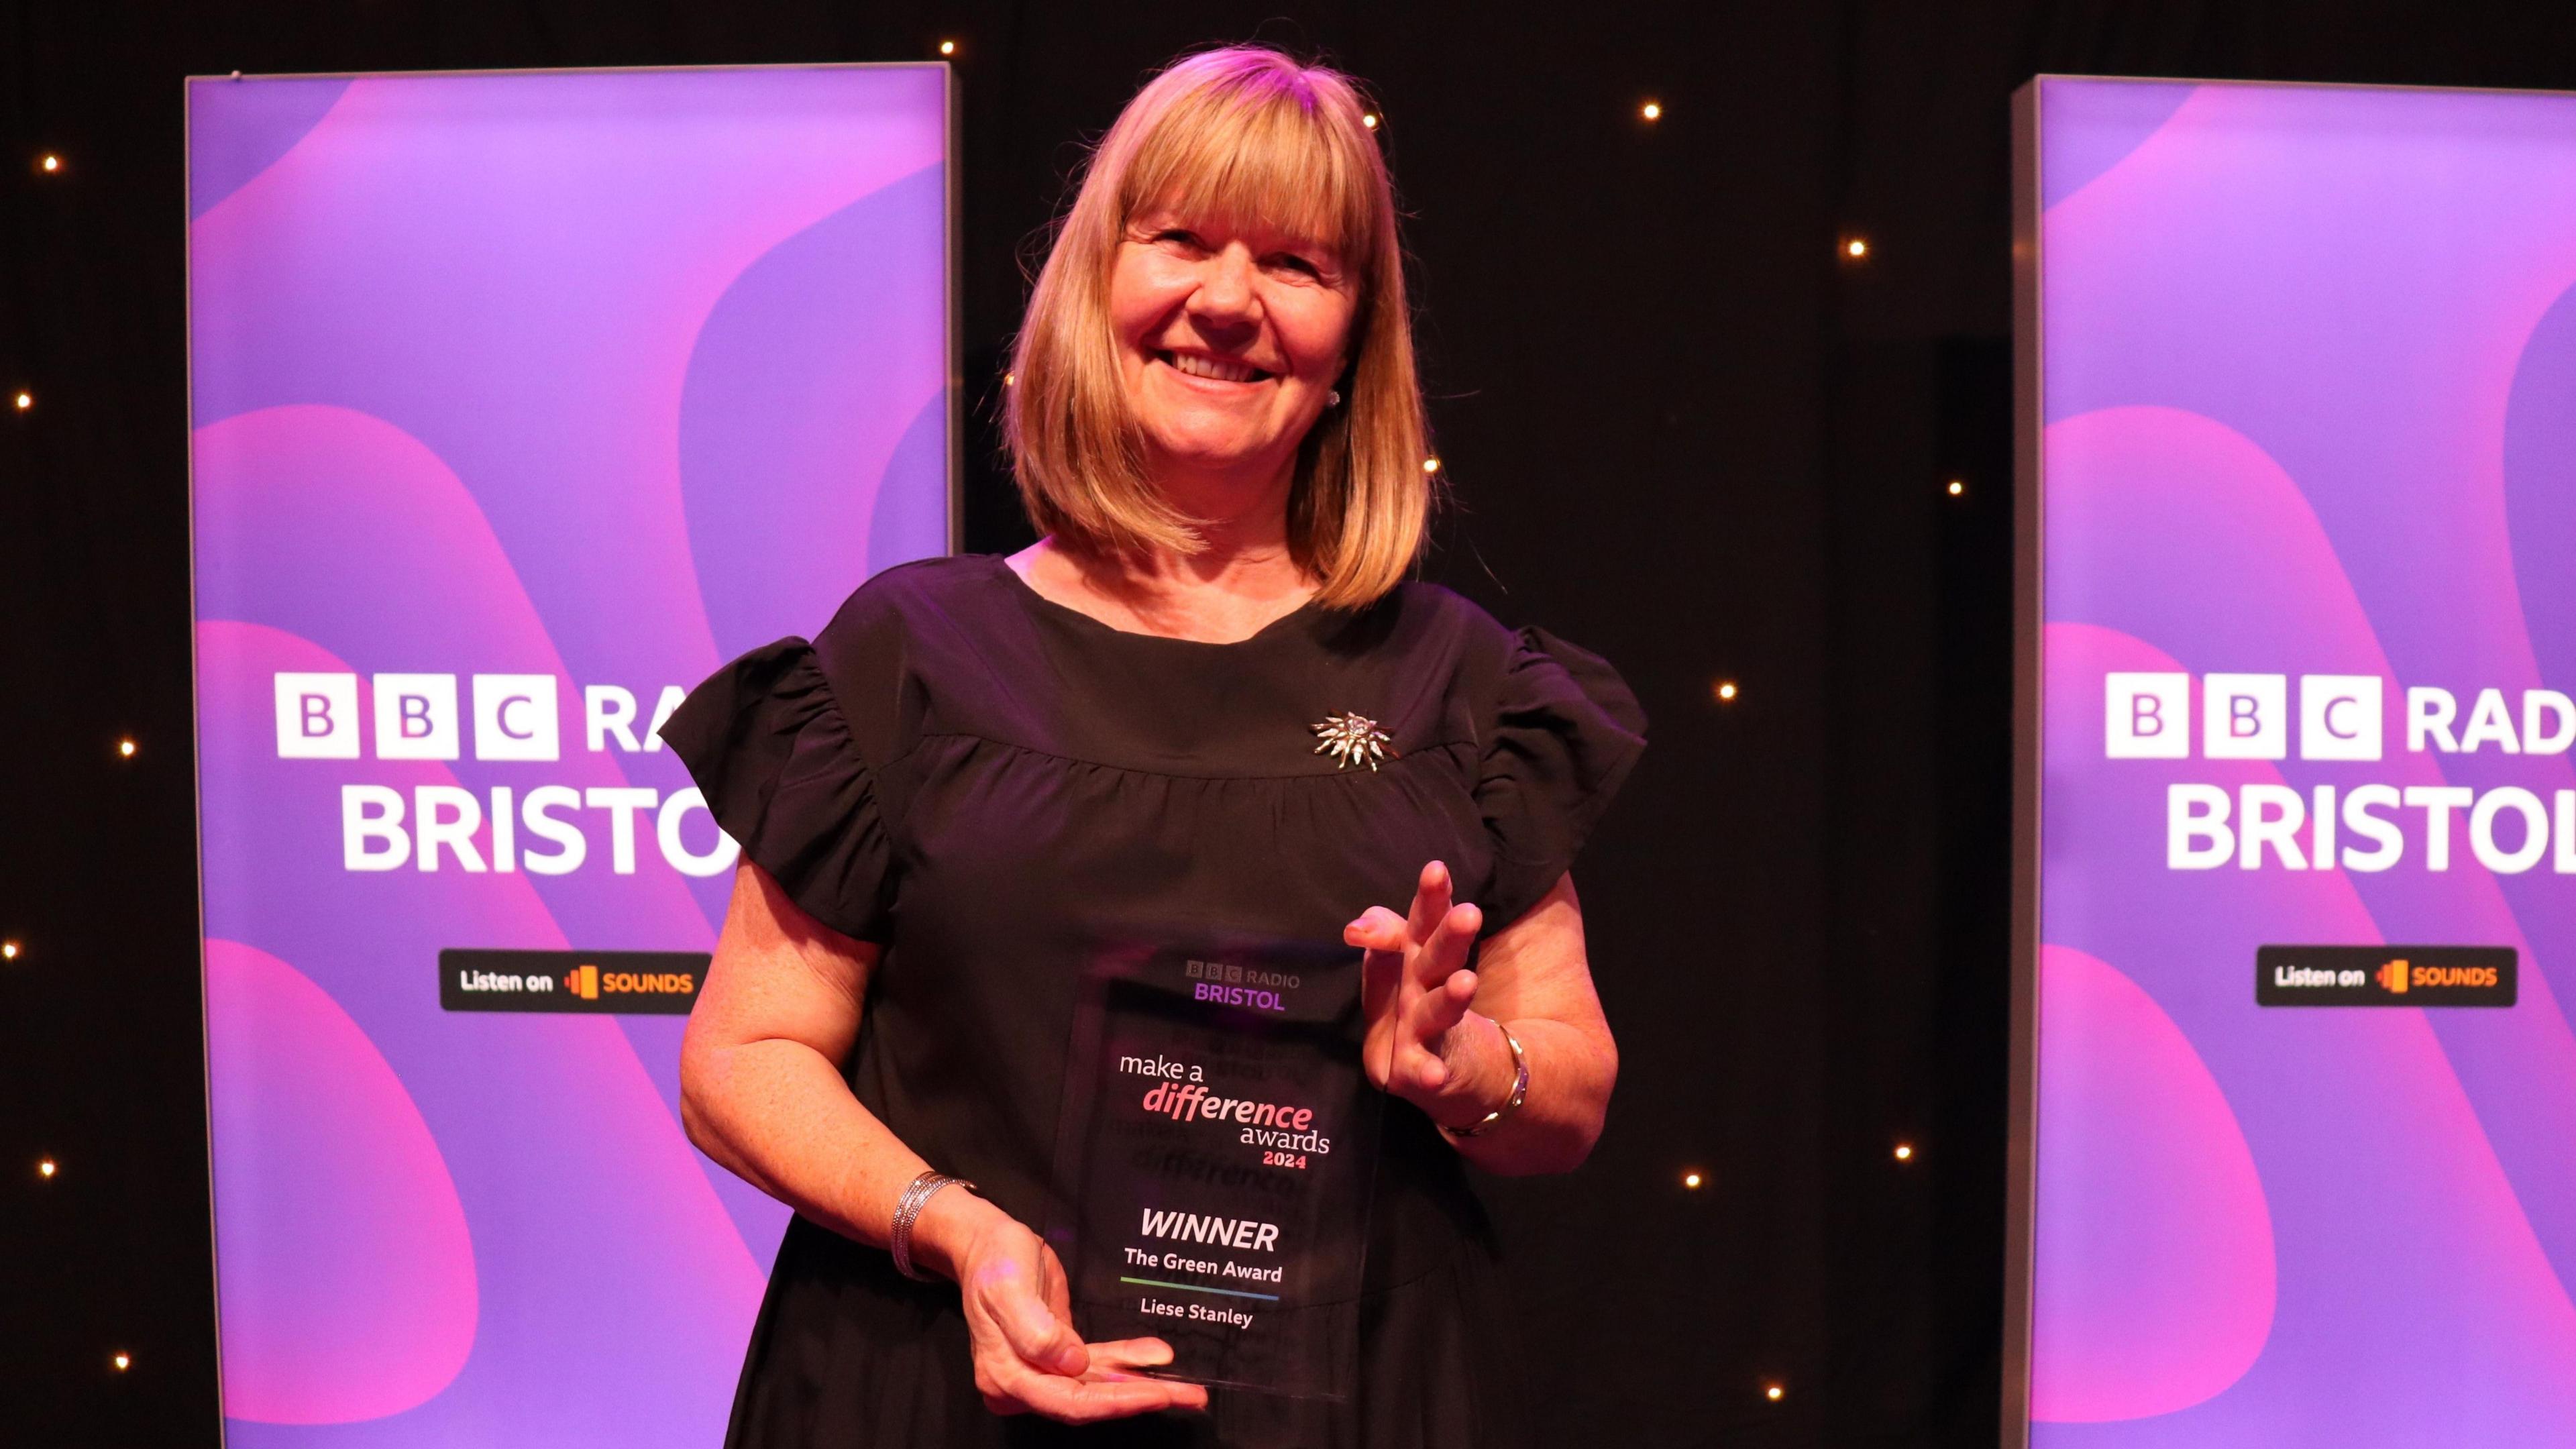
520,403
2310,470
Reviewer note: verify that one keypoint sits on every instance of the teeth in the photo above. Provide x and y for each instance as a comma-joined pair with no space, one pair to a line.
1211,368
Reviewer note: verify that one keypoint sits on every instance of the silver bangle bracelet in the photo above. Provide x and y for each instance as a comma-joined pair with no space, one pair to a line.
1520,1087
907,1210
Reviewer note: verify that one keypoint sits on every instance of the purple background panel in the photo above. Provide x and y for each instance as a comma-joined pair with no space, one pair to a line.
2181,1315
765,455
238,130
2310,361
377,1312
2091,128
590,377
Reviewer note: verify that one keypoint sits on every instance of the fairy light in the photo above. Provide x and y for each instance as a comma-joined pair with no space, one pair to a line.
1856,248
1775,1392
1725,691
1652,110
1957,487
123,1362
25,400
125,747
50,164
1905,1152
1369,119
8,950
1691,1180
45,1169
1430,465
948,47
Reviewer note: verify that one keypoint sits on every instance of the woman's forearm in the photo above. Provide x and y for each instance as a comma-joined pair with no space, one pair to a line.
1571,1071
777,1115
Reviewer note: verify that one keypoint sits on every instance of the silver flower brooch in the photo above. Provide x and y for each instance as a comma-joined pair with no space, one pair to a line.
1352,739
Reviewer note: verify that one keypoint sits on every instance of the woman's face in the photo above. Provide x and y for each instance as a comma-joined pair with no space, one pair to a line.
1230,337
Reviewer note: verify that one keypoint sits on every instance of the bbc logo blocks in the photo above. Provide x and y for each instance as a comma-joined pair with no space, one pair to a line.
526,825
2344,822
416,717
2148,716
317,716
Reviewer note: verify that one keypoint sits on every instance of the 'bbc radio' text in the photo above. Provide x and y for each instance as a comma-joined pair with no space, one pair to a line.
538,828
2340,718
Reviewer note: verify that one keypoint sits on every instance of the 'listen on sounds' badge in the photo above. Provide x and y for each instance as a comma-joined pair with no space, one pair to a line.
599,983
2384,976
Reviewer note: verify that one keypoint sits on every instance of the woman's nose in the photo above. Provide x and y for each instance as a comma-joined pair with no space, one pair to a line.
1226,296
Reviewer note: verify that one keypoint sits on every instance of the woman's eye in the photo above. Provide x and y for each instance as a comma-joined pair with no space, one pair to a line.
1299,264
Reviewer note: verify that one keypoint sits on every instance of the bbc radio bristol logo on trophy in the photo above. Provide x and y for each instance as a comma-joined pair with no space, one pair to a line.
540,827
2346,823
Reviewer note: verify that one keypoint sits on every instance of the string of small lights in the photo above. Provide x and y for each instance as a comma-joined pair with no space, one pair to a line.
50,166
1853,250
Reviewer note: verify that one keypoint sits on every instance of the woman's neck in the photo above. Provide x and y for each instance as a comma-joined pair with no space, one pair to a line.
1243,577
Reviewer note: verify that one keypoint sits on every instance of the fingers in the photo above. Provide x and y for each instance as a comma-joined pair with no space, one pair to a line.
1033,1331
1431,897
1446,949
1380,933
1128,1353
1377,929
1420,1068
1193,1397
1028,1359
1111,1361
1435,1011
1084,1401
1409,958
1105,1391
1433,917
1419,1073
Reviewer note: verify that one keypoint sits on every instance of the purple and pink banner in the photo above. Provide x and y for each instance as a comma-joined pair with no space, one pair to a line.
519,403
2307,379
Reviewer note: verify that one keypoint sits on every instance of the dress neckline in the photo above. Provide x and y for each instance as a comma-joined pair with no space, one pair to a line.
1292,621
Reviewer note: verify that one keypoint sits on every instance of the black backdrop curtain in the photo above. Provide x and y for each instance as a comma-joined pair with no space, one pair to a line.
1687,430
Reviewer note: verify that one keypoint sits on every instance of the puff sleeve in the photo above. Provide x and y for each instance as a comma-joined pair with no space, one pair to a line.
1563,734
766,741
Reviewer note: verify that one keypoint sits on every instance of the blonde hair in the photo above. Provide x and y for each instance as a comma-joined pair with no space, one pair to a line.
1243,132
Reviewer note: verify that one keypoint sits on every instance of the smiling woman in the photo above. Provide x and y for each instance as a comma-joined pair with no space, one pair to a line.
1210,695
1228,292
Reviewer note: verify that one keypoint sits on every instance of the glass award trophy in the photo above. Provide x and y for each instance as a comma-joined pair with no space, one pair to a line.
1215,1160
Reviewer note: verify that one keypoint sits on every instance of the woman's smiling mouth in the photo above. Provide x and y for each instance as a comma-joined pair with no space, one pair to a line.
1192,365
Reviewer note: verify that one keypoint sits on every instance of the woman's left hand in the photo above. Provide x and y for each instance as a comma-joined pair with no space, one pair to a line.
1421,1045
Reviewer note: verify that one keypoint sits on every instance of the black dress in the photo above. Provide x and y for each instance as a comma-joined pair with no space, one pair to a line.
957,765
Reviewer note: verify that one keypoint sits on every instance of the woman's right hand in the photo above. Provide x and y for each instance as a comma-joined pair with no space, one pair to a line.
1019,1320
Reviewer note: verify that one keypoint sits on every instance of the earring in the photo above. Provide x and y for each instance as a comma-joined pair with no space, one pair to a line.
1333,399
